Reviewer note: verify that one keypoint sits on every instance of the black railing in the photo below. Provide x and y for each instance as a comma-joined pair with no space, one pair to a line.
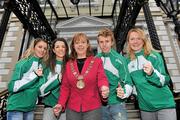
36,21
151,27
3,100
115,11
4,23
31,15
50,13
127,17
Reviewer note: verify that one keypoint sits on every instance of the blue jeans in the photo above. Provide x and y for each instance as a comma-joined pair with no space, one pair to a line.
16,115
114,112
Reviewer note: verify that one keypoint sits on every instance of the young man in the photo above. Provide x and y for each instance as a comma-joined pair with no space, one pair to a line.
119,79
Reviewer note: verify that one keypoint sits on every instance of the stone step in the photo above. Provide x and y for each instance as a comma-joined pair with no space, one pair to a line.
39,108
39,112
133,114
38,115
130,106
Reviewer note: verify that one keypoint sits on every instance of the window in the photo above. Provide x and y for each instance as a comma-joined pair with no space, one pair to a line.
42,2
1,4
86,3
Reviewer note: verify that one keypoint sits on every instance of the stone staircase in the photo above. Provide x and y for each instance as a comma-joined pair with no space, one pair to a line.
133,113
38,112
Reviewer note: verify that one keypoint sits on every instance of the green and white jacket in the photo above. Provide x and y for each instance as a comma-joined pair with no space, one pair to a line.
153,92
115,67
50,89
24,85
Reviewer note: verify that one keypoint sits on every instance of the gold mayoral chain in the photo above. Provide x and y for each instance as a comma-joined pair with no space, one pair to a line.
80,78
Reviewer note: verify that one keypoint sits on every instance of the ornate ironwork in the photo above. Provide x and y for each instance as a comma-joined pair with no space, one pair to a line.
32,17
4,22
171,9
126,20
3,100
151,27
154,36
177,28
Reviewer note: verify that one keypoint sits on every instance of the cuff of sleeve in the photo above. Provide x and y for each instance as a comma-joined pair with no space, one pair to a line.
152,74
125,96
63,107
33,75
128,91
105,99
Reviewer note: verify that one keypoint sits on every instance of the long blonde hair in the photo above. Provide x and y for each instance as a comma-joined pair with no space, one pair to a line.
30,50
147,44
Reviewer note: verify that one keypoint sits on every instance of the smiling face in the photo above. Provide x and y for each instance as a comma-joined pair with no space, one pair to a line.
59,50
81,47
105,43
40,49
136,42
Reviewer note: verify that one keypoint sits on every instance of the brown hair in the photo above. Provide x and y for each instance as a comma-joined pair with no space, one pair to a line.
78,37
105,32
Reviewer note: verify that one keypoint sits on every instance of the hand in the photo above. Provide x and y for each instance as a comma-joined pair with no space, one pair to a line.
39,72
57,109
148,68
120,91
105,91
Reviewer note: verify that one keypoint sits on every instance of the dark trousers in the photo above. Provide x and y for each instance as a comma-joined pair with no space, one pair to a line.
89,115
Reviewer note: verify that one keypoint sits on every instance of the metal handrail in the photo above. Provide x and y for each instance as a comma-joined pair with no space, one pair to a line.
3,100
4,92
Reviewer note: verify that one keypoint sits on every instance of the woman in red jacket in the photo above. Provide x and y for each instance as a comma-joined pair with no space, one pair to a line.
84,83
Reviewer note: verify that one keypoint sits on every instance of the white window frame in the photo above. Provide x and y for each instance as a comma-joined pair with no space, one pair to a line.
84,3
54,3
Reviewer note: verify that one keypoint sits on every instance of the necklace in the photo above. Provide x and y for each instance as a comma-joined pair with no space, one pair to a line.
80,78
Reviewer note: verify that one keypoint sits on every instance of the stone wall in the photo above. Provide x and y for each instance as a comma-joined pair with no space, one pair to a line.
10,50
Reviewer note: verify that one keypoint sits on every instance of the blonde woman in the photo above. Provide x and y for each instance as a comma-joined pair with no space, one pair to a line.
26,78
148,73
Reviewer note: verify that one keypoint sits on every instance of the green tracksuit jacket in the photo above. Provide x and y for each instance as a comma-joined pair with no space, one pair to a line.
117,72
153,92
24,85
50,89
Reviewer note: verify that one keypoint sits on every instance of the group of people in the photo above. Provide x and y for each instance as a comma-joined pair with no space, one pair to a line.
81,86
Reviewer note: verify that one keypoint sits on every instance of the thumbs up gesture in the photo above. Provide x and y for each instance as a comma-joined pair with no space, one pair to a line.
120,91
